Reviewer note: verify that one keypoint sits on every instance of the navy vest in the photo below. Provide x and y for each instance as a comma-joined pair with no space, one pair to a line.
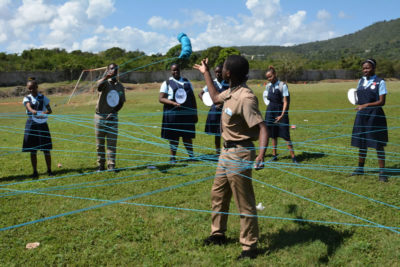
370,93
223,88
275,95
186,86
38,106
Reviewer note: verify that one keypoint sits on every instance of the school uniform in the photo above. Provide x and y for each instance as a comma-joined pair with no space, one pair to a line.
179,121
370,127
107,128
274,109
37,135
213,122
239,124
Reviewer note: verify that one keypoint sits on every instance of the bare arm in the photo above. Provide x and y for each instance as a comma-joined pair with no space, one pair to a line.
101,83
201,95
263,144
48,111
163,99
203,68
379,103
284,109
30,109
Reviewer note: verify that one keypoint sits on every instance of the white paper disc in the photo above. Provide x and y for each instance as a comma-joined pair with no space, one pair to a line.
180,96
39,117
265,97
207,99
352,96
112,98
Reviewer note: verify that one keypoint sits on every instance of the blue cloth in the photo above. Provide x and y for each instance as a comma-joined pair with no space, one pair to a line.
186,45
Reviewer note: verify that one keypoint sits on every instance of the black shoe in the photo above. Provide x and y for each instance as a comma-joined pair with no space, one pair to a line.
294,160
358,171
35,175
383,177
251,254
112,168
50,173
274,158
100,169
215,240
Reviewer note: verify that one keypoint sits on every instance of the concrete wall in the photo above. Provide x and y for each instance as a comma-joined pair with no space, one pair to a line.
20,77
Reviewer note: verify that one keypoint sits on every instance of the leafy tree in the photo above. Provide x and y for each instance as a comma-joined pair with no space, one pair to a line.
113,53
224,53
289,66
174,51
212,53
352,62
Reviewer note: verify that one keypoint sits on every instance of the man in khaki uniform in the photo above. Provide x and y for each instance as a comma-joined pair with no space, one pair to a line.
111,99
241,123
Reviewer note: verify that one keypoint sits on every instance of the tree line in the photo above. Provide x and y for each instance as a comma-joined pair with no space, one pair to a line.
287,63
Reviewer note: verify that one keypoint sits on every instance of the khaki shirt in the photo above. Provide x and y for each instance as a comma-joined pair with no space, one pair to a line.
102,107
240,115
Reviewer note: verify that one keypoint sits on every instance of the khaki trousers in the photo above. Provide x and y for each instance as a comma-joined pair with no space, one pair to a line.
106,129
232,178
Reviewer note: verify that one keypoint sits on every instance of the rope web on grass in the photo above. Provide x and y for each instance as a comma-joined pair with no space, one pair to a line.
140,146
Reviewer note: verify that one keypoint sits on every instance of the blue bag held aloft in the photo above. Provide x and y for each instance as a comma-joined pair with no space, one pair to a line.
185,44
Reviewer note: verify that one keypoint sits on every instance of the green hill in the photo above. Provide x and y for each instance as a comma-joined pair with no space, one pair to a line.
380,40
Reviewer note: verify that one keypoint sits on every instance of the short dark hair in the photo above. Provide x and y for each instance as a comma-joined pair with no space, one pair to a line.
271,69
238,67
175,64
108,67
370,61
219,66
33,82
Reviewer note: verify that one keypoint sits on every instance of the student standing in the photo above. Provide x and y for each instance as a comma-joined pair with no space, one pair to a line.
111,99
370,127
213,123
276,116
241,124
37,134
179,112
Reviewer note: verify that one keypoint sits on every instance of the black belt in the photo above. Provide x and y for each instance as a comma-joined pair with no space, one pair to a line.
233,144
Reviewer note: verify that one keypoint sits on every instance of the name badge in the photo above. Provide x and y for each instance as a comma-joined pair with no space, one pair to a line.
228,111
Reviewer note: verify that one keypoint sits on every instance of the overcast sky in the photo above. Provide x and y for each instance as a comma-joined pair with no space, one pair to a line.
152,25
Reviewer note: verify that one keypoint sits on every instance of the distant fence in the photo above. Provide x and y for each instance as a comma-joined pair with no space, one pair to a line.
20,77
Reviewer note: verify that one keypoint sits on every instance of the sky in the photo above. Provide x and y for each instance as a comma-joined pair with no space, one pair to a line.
151,26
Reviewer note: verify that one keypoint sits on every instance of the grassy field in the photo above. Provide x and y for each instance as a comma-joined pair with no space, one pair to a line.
314,213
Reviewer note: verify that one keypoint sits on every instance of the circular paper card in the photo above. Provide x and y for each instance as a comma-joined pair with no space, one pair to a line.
265,97
207,99
180,96
112,98
352,96
39,117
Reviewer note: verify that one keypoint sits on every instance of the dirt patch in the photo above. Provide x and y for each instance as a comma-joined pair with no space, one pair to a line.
141,86
10,104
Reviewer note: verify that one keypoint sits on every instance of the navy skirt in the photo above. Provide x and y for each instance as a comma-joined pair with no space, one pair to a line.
280,129
370,128
213,123
36,137
178,122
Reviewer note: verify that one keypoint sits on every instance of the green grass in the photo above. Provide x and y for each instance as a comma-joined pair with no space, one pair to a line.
145,233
